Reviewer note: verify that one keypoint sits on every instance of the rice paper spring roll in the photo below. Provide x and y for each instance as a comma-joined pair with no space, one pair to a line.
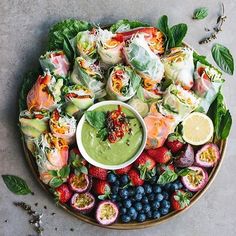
56,62
89,74
179,66
207,83
143,60
158,126
80,96
45,94
51,154
179,102
63,126
122,83
109,49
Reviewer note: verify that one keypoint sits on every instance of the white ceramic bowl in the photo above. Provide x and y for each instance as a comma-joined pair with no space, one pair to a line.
98,164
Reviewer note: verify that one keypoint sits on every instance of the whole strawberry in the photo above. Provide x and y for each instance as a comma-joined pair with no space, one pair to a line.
124,170
63,193
145,164
135,178
175,142
160,155
180,199
101,188
98,172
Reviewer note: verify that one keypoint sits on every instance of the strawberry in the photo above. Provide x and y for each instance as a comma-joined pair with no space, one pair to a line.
162,168
180,199
63,193
98,172
145,164
160,155
175,142
101,187
135,178
124,170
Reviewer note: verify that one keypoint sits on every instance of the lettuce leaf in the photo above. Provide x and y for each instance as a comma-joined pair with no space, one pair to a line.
66,29
125,24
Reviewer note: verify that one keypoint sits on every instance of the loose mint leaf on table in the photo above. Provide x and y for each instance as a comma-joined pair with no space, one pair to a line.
223,58
97,119
125,25
16,184
66,29
200,13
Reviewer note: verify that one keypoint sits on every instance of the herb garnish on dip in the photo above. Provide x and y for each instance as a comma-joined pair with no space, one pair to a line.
111,134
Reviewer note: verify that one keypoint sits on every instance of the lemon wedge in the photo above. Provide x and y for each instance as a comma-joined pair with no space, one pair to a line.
197,128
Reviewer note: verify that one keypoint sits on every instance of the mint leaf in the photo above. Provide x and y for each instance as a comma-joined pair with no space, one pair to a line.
102,134
200,13
179,31
167,177
64,172
97,119
55,182
184,172
16,184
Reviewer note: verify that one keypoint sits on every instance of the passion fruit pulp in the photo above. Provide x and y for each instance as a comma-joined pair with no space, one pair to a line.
80,183
196,179
107,212
208,155
186,157
83,202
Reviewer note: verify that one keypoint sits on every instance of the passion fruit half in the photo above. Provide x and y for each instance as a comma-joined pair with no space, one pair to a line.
83,202
80,183
107,212
196,179
186,157
208,155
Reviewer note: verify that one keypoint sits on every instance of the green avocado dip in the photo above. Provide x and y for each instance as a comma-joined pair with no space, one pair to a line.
105,152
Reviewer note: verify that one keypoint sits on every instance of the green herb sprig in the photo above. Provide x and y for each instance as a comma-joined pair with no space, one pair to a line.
200,13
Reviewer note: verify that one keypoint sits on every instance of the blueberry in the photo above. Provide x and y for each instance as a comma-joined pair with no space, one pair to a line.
123,210
155,205
134,217
111,178
131,191
124,179
113,197
117,183
174,187
141,217
146,208
133,199
165,204
165,195
149,215
156,189
159,197
145,200
138,197
151,197
138,206
119,205
180,185
125,218
147,188
127,203
123,193
139,189
153,180
132,212
167,186
164,211
115,189
156,215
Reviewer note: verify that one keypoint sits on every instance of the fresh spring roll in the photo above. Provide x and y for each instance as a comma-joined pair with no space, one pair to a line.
63,126
109,49
207,83
56,62
85,43
78,97
51,154
45,94
89,75
122,83
179,66
158,126
143,60
179,102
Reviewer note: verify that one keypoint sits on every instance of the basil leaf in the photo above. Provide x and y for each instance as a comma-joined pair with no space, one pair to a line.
16,184
201,59
225,125
53,173
55,182
179,31
102,134
84,170
167,177
69,51
223,58
97,119
64,172
184,172
165,84
200,13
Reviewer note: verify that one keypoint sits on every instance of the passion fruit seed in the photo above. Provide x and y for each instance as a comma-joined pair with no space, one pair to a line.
83,200
107,212
79,181
208,155
195,177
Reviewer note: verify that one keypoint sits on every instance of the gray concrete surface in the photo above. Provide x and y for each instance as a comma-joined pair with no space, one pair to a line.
23,33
